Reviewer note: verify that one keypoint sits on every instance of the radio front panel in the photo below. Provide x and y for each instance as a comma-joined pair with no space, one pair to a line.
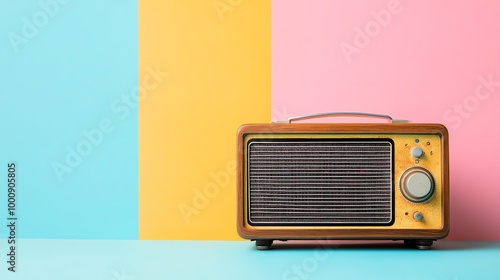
350,181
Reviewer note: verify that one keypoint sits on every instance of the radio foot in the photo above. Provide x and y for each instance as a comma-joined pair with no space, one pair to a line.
263,244
424,244
410,242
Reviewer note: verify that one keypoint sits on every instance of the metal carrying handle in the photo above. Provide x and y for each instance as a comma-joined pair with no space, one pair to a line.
342,114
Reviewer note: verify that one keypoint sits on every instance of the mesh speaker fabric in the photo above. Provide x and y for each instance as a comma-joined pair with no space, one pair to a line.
338,182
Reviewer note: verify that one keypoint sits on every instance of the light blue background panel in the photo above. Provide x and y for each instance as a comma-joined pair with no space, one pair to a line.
62,66
129,260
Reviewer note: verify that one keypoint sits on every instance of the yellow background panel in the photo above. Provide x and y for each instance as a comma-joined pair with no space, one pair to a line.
217,56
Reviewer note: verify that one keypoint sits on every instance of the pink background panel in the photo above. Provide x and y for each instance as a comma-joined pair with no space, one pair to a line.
426,61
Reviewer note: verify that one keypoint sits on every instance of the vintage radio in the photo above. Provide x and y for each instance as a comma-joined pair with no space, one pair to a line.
343,181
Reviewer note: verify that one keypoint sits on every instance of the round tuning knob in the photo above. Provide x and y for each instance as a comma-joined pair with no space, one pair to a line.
417,185
418,216
416,152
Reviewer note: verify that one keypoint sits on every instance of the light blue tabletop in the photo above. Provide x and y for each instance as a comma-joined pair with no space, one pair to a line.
137,260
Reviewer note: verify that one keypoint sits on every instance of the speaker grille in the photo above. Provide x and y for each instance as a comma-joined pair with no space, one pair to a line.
340,182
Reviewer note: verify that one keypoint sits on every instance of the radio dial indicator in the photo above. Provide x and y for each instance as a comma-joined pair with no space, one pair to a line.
417,185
